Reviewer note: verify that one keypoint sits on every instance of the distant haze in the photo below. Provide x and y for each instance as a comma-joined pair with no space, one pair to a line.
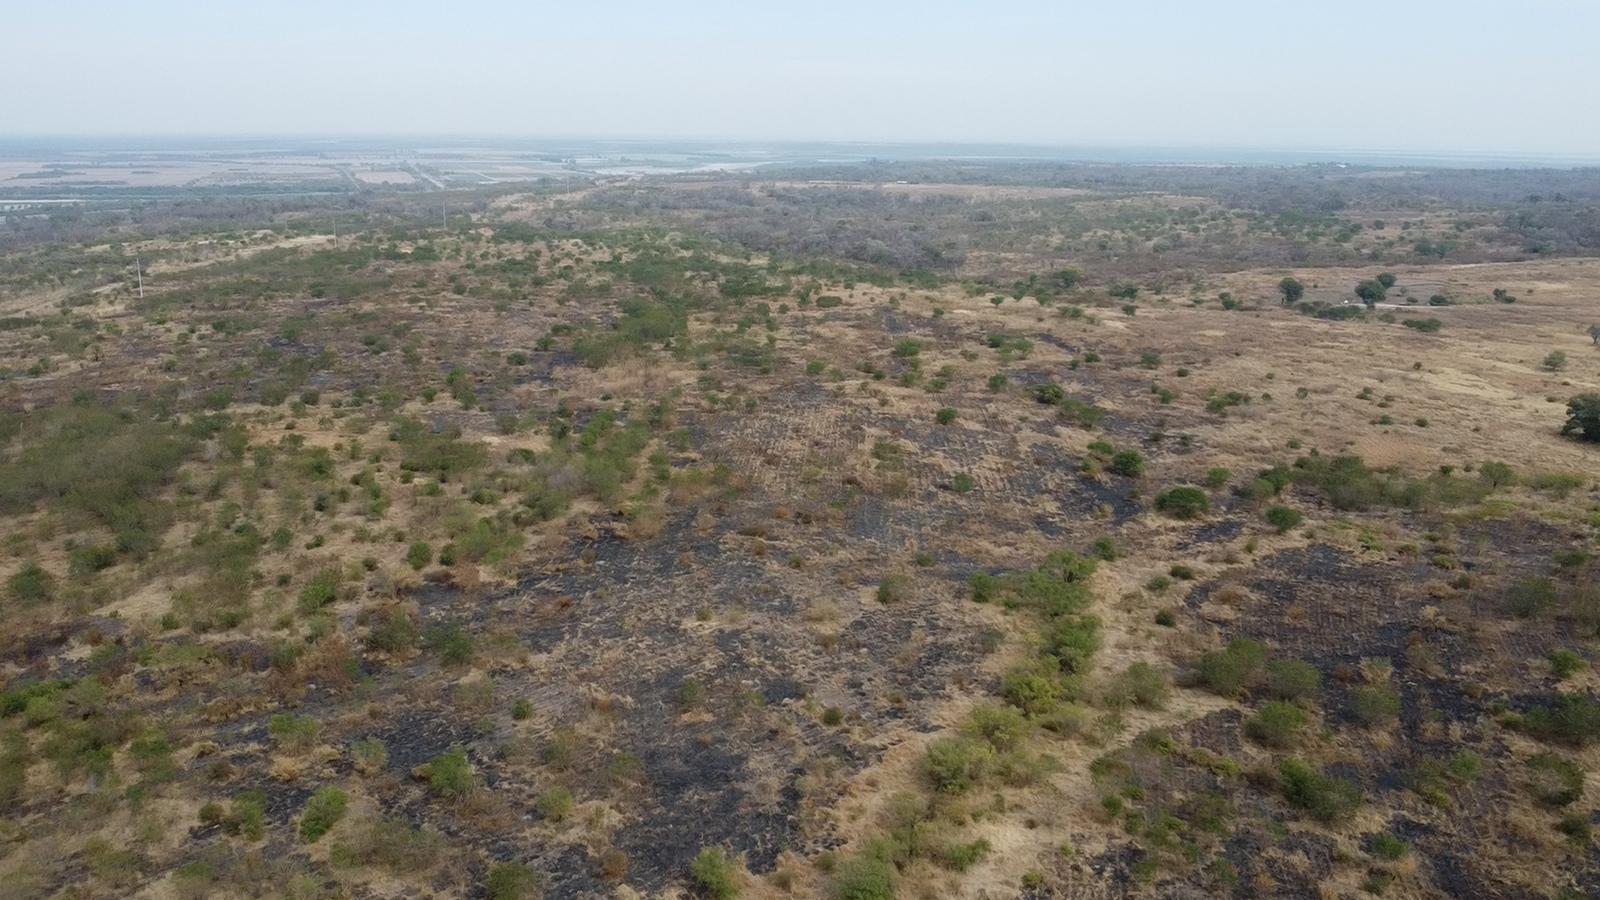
1408,75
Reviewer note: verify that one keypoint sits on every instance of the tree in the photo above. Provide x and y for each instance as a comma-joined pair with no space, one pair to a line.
1594,333
1371,292
1293,290
1066,279
1583,416
1387,279
1555,361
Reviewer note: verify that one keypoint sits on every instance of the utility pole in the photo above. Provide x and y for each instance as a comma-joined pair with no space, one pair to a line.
138,272
444,215
335,232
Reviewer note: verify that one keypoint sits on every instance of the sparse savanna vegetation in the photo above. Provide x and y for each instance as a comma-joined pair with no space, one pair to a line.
896,529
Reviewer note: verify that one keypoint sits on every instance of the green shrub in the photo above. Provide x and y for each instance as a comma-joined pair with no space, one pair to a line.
1071,641
1127,463
294,732
963,856
1031,688
1497,474
450,774
1374,704
1282,518
1386,846
1183,502
1277,724
985,587
1530,596
945,415
893,588
419,555
453,645
392,632
954,765
1574,720
1323,797
31,584
1563,663
1583,417
1292,679
369,754
716,873
325,808
321,590
1558,483
1141,684
1217,477
864,877
511,881
1229,671
1002,726
1555,780
554,803
247,816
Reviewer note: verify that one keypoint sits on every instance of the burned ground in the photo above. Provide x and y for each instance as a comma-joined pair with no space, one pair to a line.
609,527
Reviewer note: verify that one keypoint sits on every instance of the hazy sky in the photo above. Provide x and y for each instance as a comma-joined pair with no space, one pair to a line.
1404,74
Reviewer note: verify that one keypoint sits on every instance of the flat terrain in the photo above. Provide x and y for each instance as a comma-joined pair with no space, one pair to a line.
805,535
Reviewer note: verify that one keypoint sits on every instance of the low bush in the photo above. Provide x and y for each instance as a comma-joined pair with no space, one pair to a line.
1374,704
1554,780
954,765
1282,518
322,811
716,872
511,881
1325,798
450,774
1141,684
1229,671
864,877
1277,724
1292,679
1184,502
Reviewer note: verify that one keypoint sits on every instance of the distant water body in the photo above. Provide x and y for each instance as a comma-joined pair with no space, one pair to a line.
649,154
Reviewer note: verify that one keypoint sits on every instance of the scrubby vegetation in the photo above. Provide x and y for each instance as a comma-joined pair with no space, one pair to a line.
803,532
